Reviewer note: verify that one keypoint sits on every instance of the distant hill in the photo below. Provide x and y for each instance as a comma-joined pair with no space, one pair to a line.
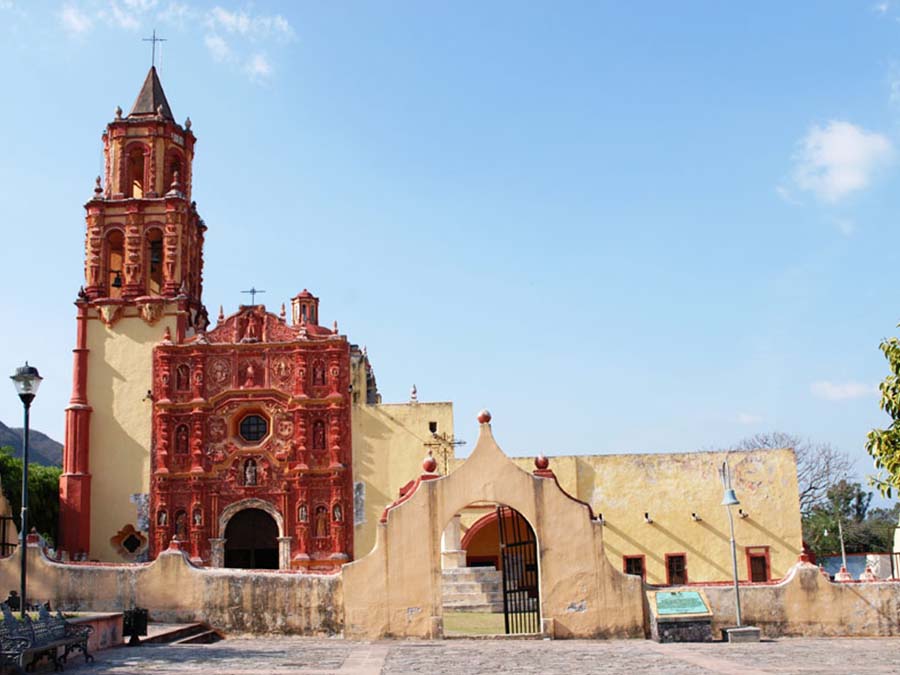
41,448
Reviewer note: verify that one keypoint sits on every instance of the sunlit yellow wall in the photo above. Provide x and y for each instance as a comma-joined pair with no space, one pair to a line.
388,448
119,376
670,487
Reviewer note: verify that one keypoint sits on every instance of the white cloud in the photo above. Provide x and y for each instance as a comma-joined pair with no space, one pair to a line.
6,4
841,391
74,20
249,25
258,67
748,418
176,13
217,47
881,7
838,159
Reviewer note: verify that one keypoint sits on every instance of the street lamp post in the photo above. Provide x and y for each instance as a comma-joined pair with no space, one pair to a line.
27,380
730,499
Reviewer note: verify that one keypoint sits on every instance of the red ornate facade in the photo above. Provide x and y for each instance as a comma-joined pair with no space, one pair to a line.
255,366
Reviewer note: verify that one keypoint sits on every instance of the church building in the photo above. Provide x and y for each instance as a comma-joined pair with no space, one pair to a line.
237,439
262,442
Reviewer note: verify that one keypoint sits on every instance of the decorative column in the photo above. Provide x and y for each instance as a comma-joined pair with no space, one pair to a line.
134,285
75,482
334,435
170,247
163,442
284,552
452,553
197,443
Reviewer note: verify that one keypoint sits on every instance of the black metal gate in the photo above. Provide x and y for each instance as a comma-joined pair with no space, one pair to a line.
519,563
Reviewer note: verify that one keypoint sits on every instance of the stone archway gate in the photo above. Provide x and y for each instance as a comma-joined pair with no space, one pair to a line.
396,589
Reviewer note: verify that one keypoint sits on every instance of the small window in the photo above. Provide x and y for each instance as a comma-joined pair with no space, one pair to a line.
676,569
634,564
432,427
758,562
253,428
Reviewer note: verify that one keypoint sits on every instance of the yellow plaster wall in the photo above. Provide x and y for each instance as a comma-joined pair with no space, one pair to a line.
119,376
388,448
671,486
396,589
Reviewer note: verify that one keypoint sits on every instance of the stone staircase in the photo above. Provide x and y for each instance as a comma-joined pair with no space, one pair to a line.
180,634
472,589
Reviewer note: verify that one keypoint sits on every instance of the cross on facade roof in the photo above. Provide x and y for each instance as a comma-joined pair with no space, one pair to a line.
253,291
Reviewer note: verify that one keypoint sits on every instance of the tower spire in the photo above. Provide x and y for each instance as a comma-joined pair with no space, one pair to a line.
151,100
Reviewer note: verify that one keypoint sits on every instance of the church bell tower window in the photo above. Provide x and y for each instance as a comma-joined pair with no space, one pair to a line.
115,257
154,262
135,182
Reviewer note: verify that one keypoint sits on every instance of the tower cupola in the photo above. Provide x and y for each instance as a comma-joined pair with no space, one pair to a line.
305,309
144,236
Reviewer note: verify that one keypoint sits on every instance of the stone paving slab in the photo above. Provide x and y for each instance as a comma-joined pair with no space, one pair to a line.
333,656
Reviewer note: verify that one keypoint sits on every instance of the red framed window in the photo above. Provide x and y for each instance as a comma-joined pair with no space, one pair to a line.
634,564
759,566
676,569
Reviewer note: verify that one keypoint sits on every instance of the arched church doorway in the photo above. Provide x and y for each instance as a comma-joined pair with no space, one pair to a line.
490,573
251,540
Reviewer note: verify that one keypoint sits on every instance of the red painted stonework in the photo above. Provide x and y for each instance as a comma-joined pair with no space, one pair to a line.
297,378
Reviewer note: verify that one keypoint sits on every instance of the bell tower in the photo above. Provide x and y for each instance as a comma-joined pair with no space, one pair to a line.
143,282
144,237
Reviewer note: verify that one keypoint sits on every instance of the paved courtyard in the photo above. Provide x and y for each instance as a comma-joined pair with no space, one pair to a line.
310,656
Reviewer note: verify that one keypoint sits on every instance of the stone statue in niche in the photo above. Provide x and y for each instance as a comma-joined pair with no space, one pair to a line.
302,516
180,525
252,331
250,472
321,522
182,378
249,377
318,373
318,436
162,518
337,514
198,517
181,440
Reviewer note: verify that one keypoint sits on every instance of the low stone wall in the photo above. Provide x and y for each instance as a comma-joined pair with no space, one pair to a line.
173,589
107,629
806,603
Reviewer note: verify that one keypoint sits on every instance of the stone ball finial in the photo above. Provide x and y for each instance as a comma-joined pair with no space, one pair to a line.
484,416
159,111
414,395
187,124
429,464
335,328
541,462
118,112
98,189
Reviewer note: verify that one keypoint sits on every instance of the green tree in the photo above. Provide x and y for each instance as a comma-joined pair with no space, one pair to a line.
43,493
865,530
884,444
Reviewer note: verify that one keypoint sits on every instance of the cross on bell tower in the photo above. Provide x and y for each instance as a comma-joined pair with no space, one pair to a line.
154,40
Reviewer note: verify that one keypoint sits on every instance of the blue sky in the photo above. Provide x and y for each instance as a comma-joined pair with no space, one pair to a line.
622,227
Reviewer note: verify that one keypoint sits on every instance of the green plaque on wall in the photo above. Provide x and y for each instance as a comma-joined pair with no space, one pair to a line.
680,602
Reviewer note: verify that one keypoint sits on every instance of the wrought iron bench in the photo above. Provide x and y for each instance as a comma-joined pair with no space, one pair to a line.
44,637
